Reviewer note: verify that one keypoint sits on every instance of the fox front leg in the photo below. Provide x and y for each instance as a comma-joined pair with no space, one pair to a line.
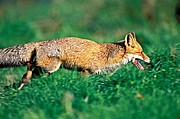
27,76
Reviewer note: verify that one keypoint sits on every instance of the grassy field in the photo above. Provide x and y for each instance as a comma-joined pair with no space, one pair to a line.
128,94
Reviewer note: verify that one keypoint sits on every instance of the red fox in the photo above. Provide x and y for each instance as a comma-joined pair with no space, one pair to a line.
88,56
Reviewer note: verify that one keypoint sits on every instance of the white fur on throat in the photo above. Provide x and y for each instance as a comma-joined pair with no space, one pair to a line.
112,68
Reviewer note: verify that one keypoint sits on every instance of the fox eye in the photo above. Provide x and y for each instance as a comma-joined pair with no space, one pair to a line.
58,50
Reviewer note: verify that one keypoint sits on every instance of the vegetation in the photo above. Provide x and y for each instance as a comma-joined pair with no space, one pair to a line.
128,94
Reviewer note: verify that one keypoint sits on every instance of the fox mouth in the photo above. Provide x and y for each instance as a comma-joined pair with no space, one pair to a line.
138,64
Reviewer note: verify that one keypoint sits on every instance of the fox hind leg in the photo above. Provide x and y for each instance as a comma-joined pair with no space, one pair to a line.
39,72
27,76
46,70
33,72
52,66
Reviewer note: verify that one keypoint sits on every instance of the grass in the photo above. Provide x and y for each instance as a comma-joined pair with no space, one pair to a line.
128,94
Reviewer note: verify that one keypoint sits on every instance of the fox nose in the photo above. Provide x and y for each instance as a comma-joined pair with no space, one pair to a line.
147,60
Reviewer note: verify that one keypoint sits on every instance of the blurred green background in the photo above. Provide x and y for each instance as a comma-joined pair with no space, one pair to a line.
128,94
24,21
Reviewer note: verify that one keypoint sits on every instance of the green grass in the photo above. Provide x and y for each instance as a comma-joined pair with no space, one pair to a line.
128,94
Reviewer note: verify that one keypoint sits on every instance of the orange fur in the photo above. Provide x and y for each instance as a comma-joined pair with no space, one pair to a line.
88,56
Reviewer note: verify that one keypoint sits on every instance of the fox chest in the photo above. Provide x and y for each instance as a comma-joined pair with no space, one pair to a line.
111,68
108,69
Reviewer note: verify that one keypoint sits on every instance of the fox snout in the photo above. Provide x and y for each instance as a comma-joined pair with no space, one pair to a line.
145,58
140,56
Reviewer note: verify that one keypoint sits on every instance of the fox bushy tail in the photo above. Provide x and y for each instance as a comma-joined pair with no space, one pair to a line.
16,55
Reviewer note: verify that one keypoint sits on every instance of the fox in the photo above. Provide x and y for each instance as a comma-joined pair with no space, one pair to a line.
88,56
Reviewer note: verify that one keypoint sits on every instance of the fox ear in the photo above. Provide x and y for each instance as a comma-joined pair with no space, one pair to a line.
130,39
133,34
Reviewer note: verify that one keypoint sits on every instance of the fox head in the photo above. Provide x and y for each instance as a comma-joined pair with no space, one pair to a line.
134,51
